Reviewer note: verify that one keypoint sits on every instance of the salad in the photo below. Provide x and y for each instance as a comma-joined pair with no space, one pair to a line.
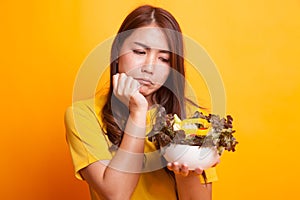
199,130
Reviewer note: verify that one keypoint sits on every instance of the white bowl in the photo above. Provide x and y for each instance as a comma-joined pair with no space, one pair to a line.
193,156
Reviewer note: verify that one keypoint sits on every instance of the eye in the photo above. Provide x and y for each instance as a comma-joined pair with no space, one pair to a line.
139,51
166,60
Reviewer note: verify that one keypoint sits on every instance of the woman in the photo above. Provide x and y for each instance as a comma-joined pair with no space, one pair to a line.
107,137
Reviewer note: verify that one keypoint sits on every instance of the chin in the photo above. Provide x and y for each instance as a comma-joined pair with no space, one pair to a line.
145,91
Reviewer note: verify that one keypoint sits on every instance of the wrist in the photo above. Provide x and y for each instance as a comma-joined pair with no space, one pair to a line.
190,177
138,116
136,125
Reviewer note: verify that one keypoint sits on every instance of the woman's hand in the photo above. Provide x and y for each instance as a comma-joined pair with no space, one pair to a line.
188,183
126,89
183,169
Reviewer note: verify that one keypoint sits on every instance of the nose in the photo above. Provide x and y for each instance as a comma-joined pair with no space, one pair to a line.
149,63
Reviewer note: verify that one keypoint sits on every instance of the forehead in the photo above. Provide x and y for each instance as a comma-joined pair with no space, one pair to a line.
153,37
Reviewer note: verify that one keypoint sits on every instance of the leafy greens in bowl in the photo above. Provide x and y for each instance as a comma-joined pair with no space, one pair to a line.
198,141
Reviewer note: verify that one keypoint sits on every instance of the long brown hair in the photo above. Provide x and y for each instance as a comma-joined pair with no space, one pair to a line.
171,94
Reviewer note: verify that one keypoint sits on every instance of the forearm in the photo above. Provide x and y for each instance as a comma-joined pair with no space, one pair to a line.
124,169
190,188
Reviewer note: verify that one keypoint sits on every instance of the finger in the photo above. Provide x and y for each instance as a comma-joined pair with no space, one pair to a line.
131,87
128,91
176,168
135,86
198,171
115,82
121,84
169,166
184,170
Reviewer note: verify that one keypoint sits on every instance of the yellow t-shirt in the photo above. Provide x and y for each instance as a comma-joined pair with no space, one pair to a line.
89,144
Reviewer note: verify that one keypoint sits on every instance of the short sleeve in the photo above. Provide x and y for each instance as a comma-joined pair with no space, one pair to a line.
86,140
211,175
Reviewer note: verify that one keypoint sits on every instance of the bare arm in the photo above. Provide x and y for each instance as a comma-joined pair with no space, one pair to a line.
118,180
189,187
188,183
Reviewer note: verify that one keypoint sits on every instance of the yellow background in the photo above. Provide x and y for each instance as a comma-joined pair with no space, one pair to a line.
255,45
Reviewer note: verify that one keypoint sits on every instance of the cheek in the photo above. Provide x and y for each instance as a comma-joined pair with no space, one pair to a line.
166,72
127,63
163,74
123,64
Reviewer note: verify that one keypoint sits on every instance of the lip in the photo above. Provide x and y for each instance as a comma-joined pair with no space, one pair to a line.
144,81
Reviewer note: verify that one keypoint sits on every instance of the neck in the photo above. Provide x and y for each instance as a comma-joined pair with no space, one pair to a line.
149,98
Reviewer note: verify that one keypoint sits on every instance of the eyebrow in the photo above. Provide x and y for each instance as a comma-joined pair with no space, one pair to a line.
147,47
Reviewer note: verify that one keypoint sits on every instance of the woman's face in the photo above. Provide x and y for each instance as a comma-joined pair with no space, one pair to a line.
145,56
